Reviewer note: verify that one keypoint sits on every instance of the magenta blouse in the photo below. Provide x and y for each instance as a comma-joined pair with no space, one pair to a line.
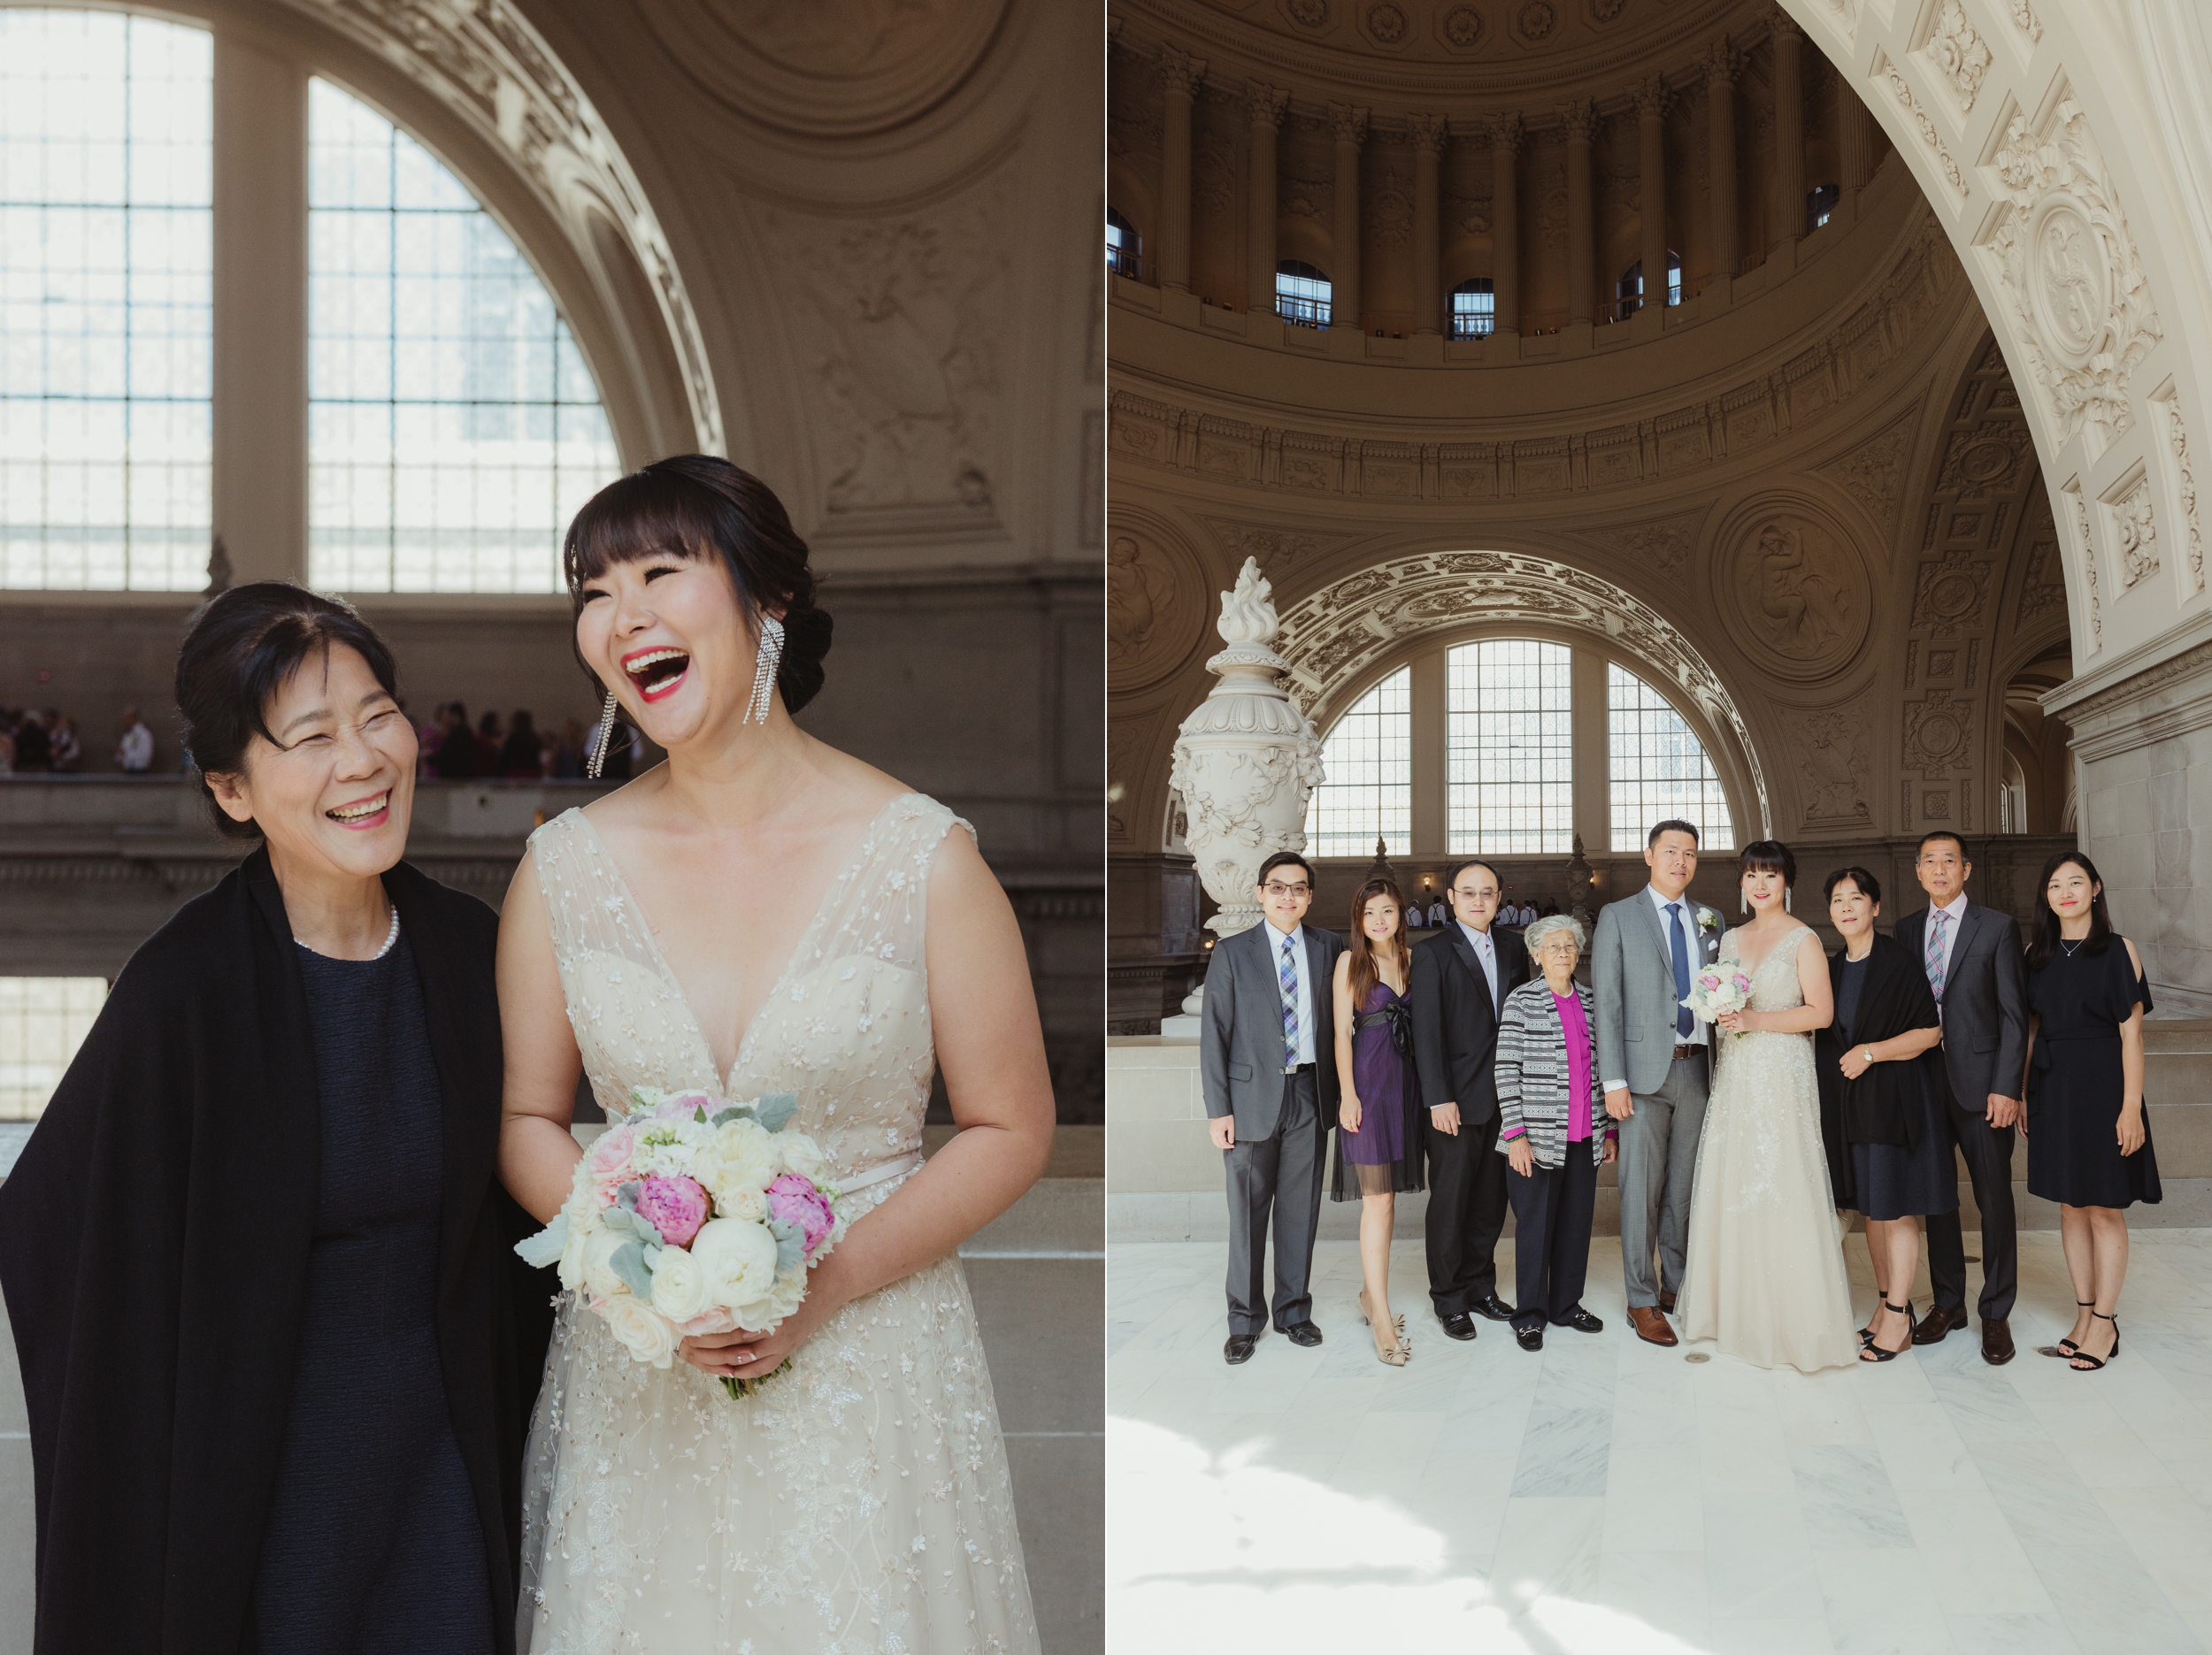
1577,1028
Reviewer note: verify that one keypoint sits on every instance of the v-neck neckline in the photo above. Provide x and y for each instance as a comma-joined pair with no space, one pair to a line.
846,871
1773,948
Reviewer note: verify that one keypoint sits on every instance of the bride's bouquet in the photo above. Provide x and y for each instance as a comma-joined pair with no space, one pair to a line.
693,1215
1718,990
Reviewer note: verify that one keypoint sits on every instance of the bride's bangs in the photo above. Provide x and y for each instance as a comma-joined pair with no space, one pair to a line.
643,515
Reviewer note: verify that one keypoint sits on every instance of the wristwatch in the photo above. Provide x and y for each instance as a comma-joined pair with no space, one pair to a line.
1870,1053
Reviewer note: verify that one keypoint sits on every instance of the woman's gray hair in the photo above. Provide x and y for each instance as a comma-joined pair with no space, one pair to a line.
1533,937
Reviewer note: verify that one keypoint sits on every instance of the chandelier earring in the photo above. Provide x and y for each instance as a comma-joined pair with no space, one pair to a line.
764,673
1786,899
1743,900
603,738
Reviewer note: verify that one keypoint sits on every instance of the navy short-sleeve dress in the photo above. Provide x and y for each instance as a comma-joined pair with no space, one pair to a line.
2074,1088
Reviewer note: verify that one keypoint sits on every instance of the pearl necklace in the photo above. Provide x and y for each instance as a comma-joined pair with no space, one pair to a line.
391,938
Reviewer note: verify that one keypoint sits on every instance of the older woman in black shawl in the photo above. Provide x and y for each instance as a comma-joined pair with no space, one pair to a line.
1887,1154
253,1252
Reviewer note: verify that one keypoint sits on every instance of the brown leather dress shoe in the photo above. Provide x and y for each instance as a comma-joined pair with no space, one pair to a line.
1938,1321
1996,1341
1666,1303
1650,1326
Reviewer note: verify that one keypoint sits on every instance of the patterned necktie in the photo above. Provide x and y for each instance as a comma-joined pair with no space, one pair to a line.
1684,1023
1935,958
1289,974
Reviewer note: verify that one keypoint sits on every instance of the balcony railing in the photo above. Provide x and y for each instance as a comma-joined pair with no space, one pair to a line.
1124,261
1302,312
1473,325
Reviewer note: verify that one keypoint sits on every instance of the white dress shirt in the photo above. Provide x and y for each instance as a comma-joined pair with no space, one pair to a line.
1697,1035
1486,952
1304,966
136,752
1954,911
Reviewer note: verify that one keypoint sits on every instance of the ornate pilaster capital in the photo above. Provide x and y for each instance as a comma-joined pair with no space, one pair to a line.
1429,133
1505,130
1781,26
1350,124
1721,61
1581,120
1180,73
1654,98
1265,104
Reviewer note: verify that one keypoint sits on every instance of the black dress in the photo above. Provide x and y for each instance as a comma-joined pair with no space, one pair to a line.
1892,1181
2075,1086
373,1540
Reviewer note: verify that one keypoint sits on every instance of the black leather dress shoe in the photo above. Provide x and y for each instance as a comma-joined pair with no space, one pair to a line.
1302,1333
1459,1325
1239,1348
1530,1338
1581,1321
1490,1305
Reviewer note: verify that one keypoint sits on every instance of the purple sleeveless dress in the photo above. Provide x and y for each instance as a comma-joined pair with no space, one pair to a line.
1388,1143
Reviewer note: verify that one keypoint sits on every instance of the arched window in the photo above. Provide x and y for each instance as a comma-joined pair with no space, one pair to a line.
453,428
1123,249
1301,294
1474,309
1629,292
1659,767
1820,205
1368,758
106,256
1510,765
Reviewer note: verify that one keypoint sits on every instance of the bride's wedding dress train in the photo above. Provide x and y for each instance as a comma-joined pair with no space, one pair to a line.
859,1504
1764,1275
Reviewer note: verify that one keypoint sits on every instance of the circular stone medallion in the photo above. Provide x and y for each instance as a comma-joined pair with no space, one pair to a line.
1792,590
2069,281
1463,26
1155,608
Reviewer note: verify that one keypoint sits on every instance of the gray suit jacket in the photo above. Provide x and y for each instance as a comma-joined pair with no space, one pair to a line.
1240,1048
1985,1004
1632,968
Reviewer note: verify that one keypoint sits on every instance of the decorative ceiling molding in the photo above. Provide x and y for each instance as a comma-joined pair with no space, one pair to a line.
1333,637
490,67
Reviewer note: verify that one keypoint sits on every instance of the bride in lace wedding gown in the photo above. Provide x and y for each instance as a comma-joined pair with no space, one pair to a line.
1764,1275
859,1502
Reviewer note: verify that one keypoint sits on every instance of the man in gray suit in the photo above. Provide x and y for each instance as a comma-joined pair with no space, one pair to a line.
1267,1065
1971,955
1654,1059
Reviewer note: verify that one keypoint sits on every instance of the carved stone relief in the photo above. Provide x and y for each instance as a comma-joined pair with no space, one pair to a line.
2089,568
1903,93
1279,551
2135,533
2043,590
1793,590
2067,265
1939,734
1461,28
2185,485
1663,544
1957,57
2025,19
1156,605
1874,471
1990,459
1832,766
1952,593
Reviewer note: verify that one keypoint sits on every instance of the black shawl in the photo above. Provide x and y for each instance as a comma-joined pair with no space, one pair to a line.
154,1241
1884,1106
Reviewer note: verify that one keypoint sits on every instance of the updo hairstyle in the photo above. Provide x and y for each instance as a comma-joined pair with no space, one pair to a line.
238,651
694,506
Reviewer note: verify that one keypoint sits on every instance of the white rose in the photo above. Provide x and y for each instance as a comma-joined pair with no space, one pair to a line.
680,1286
643,1330
580,1239
737,1259
582,1205
748,1205
592,1265
800,1155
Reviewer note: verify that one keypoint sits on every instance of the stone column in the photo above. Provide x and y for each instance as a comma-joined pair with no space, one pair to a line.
1351,134
1723,63
1431,780
1428,132
1592,750
1653,97
1789,132
1857,140
259,435
1505,222
1582,127
1180,77
1265,106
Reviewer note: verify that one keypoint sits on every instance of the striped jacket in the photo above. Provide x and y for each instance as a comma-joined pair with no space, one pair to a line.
1533,1076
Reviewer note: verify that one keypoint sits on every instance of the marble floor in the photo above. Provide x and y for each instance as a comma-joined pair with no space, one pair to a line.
1607,1494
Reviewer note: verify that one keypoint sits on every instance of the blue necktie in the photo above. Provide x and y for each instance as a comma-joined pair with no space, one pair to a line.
1684,1023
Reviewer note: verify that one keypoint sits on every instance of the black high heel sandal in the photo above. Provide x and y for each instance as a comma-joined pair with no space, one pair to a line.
1872,1352
2081,1356
2067,1346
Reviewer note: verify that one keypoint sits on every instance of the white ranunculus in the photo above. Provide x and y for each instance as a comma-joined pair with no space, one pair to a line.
800,1155
738,1259
748,1205
644,1332
594,1267
739,1159
680,1286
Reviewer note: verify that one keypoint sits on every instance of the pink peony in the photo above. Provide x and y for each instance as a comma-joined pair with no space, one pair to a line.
796,1200
675,1206
684,1105
1708,981
608,1160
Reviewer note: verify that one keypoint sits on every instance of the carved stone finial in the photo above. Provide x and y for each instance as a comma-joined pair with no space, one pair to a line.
1180,73
219,569
1350,124
1721,61
1429,133
1248,613
1265,103
1582,119
1654,98
1505,130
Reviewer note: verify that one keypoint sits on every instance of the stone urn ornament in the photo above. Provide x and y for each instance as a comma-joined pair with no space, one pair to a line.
1246,760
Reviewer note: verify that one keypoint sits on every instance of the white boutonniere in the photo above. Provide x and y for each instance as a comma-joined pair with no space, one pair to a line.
1707,920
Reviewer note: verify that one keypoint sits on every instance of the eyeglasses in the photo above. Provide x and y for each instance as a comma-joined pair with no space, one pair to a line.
1276,887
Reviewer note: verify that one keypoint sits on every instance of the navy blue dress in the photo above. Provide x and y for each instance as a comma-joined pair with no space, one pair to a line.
2076,1086
374,1543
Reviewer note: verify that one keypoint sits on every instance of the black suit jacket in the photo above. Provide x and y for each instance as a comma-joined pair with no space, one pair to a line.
1985,1004
1454,1020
